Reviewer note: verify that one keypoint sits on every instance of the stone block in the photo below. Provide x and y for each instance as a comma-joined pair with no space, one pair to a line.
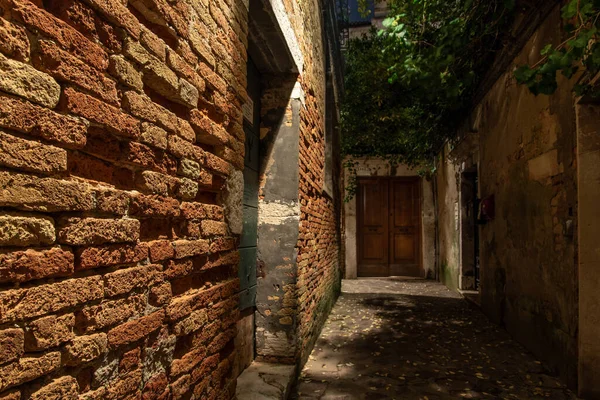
25,81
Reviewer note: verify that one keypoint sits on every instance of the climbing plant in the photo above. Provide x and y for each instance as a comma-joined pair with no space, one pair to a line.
580,52
409,85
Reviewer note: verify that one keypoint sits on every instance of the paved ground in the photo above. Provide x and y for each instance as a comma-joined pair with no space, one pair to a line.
397,338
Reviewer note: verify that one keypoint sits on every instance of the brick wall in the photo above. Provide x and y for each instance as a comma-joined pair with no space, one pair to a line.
120,123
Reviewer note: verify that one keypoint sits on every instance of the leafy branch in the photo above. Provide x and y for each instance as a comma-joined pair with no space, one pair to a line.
579,53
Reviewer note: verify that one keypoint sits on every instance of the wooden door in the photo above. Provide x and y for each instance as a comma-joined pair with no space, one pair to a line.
373,231
405,227
389,227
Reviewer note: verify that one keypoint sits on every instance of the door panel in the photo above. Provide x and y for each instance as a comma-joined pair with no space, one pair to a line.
405,253
373,227
389,227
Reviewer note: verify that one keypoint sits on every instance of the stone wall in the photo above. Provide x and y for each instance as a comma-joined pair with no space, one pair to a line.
525,156
120,125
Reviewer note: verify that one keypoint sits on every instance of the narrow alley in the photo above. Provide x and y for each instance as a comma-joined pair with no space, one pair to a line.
398,338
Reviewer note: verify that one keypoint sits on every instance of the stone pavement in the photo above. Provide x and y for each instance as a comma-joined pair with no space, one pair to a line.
398,338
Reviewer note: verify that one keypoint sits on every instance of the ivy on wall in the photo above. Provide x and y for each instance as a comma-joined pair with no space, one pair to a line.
579,53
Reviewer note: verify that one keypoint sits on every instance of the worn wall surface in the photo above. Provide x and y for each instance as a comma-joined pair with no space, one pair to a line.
378,167
528,255
298,223
120,125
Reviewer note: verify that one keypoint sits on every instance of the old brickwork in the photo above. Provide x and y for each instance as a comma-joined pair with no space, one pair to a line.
319,266
120,123
525,155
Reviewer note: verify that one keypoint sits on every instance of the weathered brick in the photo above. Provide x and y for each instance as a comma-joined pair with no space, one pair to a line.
43,194
130,361
125,72
194,322
188,266
112,201
156,388
61,32
216,164
67,68
28,369
188,94
185,305
184,70
160,295
153,43
103,256
126,387
83,349
200,211
144,108
125,280
21,304
101,113
14,394
206,130
190,248
48,332
28,155
135,330
154,206
161,250
109,313
30,264
157,183
96,231
117,13
213,228
187,363
182,148
187,189
21,229
63,388
34,120
154,136
11,344
222,244
25,81
14,41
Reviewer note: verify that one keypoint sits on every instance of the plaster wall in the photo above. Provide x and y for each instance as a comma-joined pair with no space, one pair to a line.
526,156
376,167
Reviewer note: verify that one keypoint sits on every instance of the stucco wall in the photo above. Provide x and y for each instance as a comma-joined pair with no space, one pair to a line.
376,167
526,161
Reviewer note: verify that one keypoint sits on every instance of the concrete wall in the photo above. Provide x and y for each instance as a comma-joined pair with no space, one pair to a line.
377,167
526,159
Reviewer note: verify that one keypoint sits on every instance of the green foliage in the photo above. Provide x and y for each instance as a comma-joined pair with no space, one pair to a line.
579,53
410,85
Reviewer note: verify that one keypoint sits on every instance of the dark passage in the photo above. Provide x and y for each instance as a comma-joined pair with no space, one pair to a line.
394,338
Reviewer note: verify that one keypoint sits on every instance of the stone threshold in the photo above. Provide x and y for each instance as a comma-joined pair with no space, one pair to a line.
264,381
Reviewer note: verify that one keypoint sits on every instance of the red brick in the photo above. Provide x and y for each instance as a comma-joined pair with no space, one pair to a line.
205,368
216,164
135,330
181,268
13,41
11,344
125,280
109,313
65,387
219,342
28,369
101,113
143,156
21,304
103,256
161,250
34,120
83,349
30,155
156,388
160,295
118,14
200,211
154,206
30,264
213,228
222,244
190,248
181,148
84,166
130,361
184,305
65,67
61,32
188,362
143,107
112,201
125,387
50,331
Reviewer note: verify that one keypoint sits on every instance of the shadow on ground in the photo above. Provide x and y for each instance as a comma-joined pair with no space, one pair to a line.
414,339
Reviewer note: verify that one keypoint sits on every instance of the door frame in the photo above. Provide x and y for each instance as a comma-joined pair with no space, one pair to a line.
419,228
